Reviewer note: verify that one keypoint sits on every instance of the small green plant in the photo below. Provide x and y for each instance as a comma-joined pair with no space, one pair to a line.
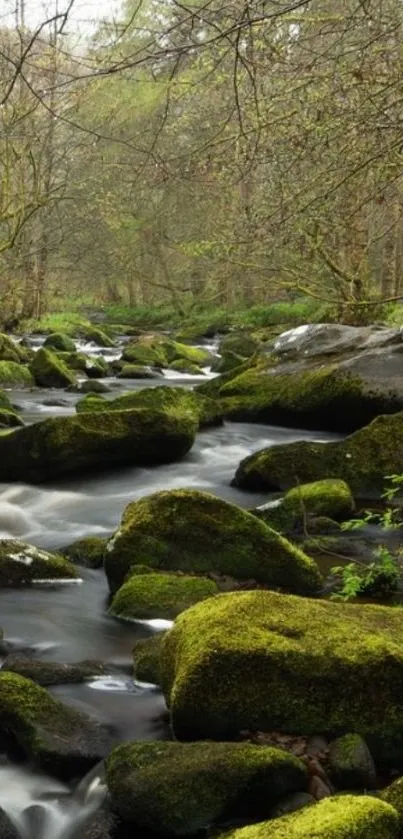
380,578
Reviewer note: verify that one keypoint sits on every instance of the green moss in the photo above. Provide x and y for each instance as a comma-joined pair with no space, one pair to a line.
146,654
344,817
329,497
49,371
146,352
242,344
13,374
60,341
266,661
195,355
204,410
324,397
5,401
362,460
63,445
226,363
350,763
393,795
88,551
178,789
97,336
159,595
61,740
20,564
135,371
194,531
11,351
10,419
182,365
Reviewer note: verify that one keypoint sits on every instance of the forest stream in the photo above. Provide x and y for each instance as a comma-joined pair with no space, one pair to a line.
70,623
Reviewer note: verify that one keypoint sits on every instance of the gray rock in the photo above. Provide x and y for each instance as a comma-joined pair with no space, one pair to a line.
331,339
351,765
48,673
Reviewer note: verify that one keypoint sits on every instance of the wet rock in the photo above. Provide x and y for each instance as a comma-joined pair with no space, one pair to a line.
351,764
192,531
393,795
13,374
89,551
242,344
146,654
318,789
50,371
329,497
66,445
183,365
93,386
62,741
97,336
341,817
7,828
333,339
11,351
146,596
47,673
137,371
292,803
160,351
22,564
101,825
9,419
285,663
362,460
181,788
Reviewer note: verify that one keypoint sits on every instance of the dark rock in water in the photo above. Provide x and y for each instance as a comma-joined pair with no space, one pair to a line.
93,386
101,825
351,764
137,371
56,403
177,789
362,460
62,741
89,551
146,655
22,564
192,531
66,445
59,341
47,673
292,803
7,828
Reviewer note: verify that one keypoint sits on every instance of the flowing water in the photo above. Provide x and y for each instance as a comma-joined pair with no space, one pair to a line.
70,622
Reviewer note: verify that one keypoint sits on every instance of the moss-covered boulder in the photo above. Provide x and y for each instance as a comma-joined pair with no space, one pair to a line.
145,352
205,411
13,374
182,365
61,342
145,596
188,530
226,363
362,460
265,661
97,336
393,795
94,368
136,371
146,655
88,551
47,673
49,371
331,498
351,764
326,397
343,817
92,386
9,419
160,351
59,739
66,445
11,351
177,789
22,564
240,343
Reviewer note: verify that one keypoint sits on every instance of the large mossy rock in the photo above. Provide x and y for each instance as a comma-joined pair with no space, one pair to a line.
9,419
50,371
22,564
14,374
146,659
343,817
59,341
160,351
188,530
362,460
350,764
265,661
331,498
97,336
177,789
59,739
11,351
205,411
145,596
66,445
240,343
393,795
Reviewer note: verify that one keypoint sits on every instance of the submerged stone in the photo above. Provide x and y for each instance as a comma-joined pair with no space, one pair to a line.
192,531
177,789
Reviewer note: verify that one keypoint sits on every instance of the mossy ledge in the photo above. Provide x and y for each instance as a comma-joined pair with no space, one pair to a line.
65,445
342,817
177,789
264,661
362,460
192,531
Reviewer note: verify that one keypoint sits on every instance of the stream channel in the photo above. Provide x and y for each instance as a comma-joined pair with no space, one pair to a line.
69,622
